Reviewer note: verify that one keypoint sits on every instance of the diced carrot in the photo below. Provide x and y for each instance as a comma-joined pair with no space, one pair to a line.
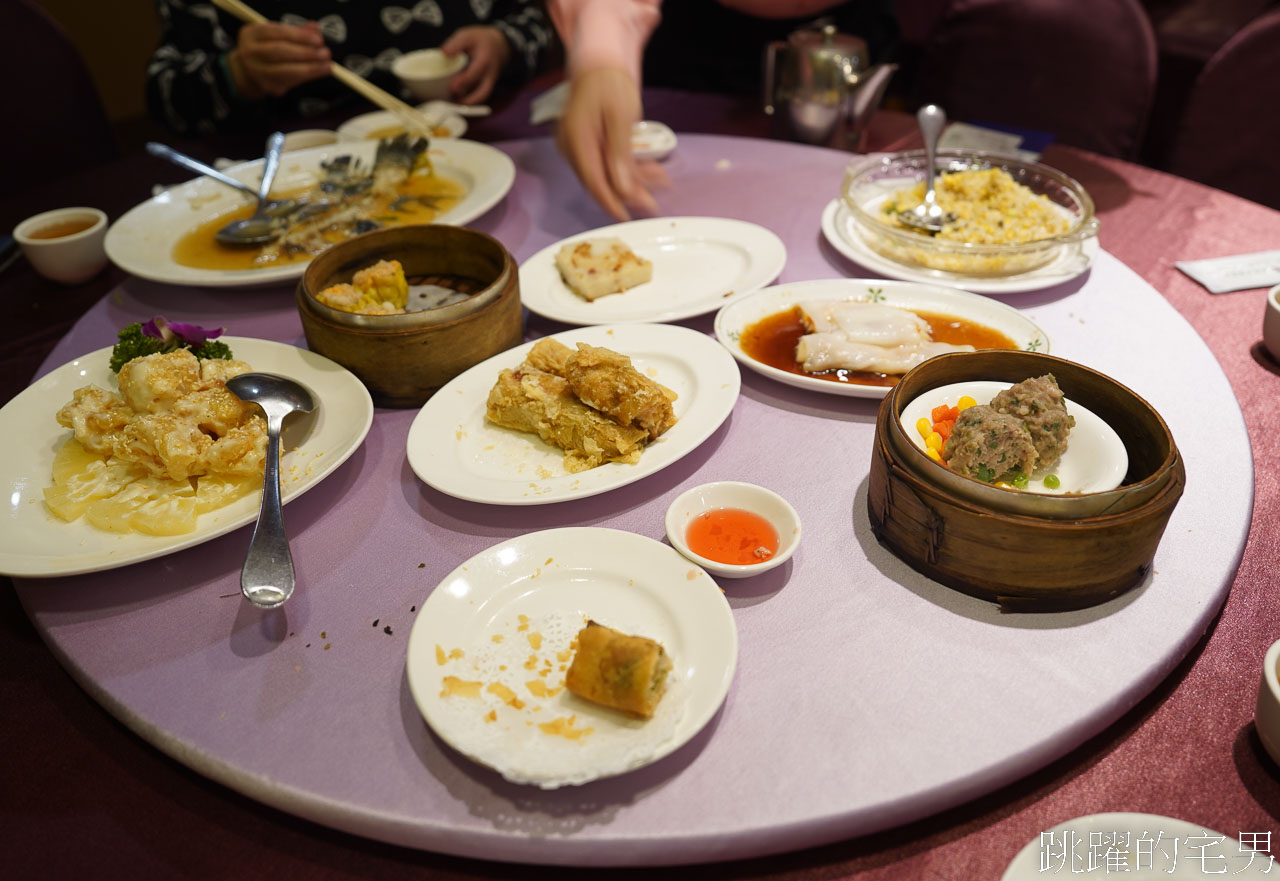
944,427
939,412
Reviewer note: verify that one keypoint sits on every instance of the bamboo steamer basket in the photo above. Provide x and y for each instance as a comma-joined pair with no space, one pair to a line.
1025,551
404,359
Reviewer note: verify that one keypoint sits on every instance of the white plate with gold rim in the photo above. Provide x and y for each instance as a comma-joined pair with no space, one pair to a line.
36,544
506,618
453,449
734,319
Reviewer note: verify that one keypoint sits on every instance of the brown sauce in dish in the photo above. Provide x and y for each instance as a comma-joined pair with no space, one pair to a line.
199,248
772,340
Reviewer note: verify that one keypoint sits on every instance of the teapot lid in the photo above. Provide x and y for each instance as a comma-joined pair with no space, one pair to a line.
825,41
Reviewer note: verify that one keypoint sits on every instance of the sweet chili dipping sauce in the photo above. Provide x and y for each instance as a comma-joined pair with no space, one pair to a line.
732,535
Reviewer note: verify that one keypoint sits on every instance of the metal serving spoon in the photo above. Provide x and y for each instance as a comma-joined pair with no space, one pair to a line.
263,226
267,578
928,215
275,207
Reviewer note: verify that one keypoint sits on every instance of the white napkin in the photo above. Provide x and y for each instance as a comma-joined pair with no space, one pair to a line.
1238,273
549,105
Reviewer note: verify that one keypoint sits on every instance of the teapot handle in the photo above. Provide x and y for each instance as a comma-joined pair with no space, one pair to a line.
770,66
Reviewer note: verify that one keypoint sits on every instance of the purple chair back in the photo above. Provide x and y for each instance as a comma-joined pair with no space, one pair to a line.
1083,71
1229,136
51,97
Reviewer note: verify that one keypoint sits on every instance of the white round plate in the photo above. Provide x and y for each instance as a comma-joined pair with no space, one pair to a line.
652,140
34,543
1144,847
735,318
1095,460
842,233
699,264
142,241
557,580
368,125
454,449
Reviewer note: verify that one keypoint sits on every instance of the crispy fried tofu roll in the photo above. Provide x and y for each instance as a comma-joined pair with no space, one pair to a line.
628,673
606,380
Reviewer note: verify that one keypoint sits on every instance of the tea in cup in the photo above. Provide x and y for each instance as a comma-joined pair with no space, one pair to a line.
66,244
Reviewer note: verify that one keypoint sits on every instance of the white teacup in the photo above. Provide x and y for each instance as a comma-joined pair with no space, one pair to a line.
426,72
65,244
1271,323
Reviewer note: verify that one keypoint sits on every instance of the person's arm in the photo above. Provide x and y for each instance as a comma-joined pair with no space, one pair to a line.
604,41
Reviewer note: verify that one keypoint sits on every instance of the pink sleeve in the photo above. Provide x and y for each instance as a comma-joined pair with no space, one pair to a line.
605,33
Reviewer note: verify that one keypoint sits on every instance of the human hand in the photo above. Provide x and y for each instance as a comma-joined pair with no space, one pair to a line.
271,58
595,136
487,52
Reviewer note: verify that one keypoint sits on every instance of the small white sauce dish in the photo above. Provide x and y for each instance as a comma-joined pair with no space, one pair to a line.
426,72
65,245
733,494
1271,323
1095,461
652,140
1266,717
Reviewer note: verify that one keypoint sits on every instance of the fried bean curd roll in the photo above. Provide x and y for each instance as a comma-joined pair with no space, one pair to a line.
611,668
606,380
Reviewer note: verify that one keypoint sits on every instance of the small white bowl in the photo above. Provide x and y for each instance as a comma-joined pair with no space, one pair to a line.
1266,717
652,140
70,258
1271,323
732,494
426,72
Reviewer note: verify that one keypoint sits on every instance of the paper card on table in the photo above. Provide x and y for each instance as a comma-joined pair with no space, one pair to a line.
1237,273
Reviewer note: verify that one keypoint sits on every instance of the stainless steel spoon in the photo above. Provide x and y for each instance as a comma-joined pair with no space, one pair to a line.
928,215
267,578
262,227
275,207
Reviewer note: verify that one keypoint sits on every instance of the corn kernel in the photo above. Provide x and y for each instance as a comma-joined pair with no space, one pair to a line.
965,403
933,454
934,441
924,426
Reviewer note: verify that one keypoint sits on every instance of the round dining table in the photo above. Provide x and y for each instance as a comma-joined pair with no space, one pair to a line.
158,726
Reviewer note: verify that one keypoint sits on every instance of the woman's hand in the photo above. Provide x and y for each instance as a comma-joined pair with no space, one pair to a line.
595,136
487,52
271,58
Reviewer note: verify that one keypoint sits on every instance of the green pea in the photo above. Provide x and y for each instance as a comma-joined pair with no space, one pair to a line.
1052,481
1019,480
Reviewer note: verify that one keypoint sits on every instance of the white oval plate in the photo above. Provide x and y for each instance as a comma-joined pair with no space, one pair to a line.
699,264
1146,847
735,318
566,576
842,233
366,125
141,242
36,544
453,449
1095,460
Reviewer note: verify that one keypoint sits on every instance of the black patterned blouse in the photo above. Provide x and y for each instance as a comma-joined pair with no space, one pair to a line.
189,87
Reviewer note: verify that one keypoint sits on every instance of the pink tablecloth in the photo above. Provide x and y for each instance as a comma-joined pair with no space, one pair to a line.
1187,751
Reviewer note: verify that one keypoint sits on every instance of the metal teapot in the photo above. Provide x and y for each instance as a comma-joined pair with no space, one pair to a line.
820,88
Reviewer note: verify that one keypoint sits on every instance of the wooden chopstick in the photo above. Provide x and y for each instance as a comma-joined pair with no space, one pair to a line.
413,120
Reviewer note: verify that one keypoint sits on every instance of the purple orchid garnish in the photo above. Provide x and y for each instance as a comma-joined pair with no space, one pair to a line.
190,334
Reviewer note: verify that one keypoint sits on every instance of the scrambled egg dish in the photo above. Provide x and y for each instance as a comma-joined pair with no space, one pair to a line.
172,444
990,208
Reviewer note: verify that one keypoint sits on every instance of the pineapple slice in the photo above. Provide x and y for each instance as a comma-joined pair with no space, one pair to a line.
99,480
213,491
150,504
70,459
